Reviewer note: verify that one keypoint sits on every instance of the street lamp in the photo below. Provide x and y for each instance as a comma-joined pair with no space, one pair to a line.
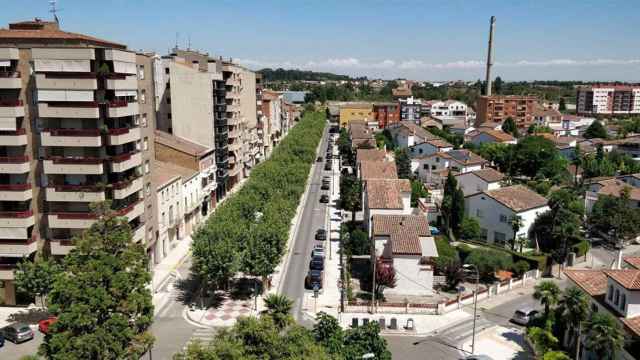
475,304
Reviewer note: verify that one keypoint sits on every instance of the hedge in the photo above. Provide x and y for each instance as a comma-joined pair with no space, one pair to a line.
273,190
537,261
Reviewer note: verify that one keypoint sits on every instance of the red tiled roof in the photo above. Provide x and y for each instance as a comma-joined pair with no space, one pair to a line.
369,155
633,261
181,144
517,197
386,193
633,324
404,232
487,174
629,278
496,134
593,282
378,170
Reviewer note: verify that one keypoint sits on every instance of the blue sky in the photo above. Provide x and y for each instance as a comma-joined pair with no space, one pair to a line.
424,40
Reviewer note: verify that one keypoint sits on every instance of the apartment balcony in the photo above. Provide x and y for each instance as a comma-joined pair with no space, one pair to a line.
124,162
117,109
231,121
123,189
18,248
10,80
71,220
132,211
75,193
13,138
139,233
71,137
120,55
11,108
73,165
231,81
123,135
233,108
71,110
235,146
67,81
14,164
233,134
15,192
17,219
220,91
6,271
121,82
61,247
220,107
222,174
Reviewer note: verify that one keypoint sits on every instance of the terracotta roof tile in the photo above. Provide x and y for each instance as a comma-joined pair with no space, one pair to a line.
46,30
411,128
164,173
629,278
370,155
404,232
593,282
633,324
517,197
496,134
439,143
386,193
466,157
614,187
488,174
181,144
378,170
633,261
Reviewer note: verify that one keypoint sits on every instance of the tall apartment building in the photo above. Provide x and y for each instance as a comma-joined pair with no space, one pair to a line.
386,113
499,107
410,109
272,125
608,99
71,135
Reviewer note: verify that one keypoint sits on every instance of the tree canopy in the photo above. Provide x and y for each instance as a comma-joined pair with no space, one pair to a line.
596,130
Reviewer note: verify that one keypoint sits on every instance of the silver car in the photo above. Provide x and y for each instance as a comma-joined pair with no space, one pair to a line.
523,315
17,333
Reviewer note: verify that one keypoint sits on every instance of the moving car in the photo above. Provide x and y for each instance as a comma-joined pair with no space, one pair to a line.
321,234
522,316
17,333
316,263
313,278
319,159
43,325
324,199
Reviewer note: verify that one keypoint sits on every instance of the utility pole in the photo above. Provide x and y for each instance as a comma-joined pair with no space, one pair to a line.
373,289
492,23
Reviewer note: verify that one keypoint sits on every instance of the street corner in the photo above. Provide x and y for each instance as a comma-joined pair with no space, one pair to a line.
223,315
500,343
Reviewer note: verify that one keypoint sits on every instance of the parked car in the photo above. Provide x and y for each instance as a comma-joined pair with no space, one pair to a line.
316,263
318,251
434,230
17,333
324,199
43,325
522,316
327,167
324,186
1,340
321,234
313,278
319,159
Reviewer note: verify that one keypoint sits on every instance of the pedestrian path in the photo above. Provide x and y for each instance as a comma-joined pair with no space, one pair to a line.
201,335
225,314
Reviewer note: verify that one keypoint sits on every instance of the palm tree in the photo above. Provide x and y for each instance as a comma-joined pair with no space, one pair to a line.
603,336
548,293
574,309
516,224
279,308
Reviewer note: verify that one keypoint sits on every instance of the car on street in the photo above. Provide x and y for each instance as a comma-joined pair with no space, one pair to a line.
319,159
313,278
321,234
522,316
318,251
17,333
1,340
327,167
324,199
316,263
43,325
324,186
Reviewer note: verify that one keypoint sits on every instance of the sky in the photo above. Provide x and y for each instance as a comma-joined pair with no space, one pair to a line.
420,40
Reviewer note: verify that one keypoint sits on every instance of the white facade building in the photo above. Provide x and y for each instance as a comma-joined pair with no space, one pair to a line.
477,181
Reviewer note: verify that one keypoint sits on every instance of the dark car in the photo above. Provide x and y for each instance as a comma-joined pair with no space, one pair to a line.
313,278
324,199
321,234
1,340
43,325
17,333
324,186
327,167
316,263
319,159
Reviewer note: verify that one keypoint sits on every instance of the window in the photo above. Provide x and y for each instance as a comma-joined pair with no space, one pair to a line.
499,237
144,120
623,302
166,70
143,96
437,159
610,293
484,233
141,72
146,143
425,166
503,218
147,189
478,213
433,167
146,167
420,151
617,297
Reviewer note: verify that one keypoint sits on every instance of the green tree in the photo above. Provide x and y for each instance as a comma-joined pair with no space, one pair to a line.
417,191
470,229
363,340
102,298
215,256
535,156
603,336
521,267
357,243
555,355
37,277
452,207
344,146
543,339
489,261
596,130
616,216
328,333
574,308
497,85
351,194
516,223
453,272
279,309
509,126
548,293
403,164
561,105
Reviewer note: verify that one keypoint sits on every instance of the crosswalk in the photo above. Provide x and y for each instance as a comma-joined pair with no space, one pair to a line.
463,330
202,335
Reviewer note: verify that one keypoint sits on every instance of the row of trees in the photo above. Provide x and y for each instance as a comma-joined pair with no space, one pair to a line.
249,231
274,335
567,321
99,293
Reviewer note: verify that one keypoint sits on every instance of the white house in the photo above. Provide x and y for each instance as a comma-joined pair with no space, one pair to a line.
405,242
489,135
613,186
406,134
494,210
429,168
448,108
385,197
167,180
571,125
480,180
430,147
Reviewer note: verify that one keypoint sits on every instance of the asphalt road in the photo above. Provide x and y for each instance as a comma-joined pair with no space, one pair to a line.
312,219
11,351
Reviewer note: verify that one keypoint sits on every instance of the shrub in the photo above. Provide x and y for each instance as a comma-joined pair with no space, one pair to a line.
581,248
521,267
446,254
488,262
464,250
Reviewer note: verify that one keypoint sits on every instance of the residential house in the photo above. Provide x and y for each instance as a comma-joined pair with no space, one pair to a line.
410,109
377,170
613,186
405,242
406,134
571,125
430,147
434,168
449,112
494,210
385,197
543,116
361,136
488,135
373,155
386,113
477,181
401,92
356,111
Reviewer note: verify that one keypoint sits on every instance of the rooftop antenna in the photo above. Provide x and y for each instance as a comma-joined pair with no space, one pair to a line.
490,55
189,42
177,37
54,10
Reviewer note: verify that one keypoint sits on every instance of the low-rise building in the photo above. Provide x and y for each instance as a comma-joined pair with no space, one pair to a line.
488,135
361,135
355,112
430,147
407,134
477,181
571,125
433,168
410,109
368,170
543,116
494,210
385,197
613,186
405,242
386,113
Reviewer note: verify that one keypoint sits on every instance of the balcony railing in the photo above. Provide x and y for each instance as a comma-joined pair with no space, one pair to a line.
118,103
11,103
73,132
14,159
127,209
123,157
74,104
75,215
70,75
13,132
76,188
15,187
75,160
124,183
16,214
9,74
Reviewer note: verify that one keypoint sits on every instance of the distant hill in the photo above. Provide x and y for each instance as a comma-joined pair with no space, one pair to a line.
293,75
